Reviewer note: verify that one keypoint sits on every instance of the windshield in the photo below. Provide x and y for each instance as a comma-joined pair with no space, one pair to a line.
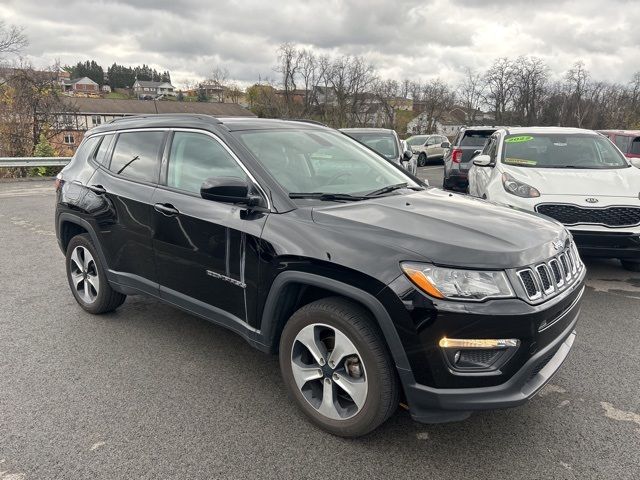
320,161
383,143
561,151
414,141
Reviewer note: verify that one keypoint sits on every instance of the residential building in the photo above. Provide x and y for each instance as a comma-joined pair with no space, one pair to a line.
449,123
81,114
83,86
150,89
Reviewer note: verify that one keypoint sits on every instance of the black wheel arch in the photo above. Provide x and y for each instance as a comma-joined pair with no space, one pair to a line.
286,287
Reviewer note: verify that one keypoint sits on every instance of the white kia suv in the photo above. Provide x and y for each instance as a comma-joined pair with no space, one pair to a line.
575,176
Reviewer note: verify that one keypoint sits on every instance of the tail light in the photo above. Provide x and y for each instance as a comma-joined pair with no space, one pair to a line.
456,155
59,181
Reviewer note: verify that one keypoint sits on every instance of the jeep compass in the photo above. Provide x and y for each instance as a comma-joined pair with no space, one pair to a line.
372,288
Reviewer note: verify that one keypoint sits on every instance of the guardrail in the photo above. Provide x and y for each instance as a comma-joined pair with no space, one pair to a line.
34,161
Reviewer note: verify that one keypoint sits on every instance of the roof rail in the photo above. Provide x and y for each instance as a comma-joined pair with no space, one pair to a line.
305,120
164,115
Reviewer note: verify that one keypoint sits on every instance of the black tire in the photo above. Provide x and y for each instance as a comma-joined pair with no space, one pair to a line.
445,184
631,265
422,160
357,325
106,299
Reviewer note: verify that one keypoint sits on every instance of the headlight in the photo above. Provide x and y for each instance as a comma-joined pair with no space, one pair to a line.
518,188
455,284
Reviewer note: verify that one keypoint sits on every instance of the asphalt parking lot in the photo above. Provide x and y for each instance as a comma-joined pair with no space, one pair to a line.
149,392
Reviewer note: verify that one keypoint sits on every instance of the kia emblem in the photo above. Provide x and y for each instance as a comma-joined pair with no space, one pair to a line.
591,200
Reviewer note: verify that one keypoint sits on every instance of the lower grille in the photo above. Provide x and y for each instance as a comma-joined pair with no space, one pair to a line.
576,215
542,363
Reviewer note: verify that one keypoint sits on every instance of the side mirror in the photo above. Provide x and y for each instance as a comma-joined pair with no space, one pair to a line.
406,156
228,190
477,152
482,160
445,145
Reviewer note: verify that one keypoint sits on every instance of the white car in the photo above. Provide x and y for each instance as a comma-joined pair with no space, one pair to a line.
575,176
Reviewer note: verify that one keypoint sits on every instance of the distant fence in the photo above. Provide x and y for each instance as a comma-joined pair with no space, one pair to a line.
34,161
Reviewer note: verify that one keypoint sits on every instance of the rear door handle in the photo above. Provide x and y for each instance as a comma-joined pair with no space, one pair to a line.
98,189
166,209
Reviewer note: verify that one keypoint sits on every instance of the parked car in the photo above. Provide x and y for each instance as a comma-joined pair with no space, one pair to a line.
385,142
369,286
628,141
574,176
428,147
457,159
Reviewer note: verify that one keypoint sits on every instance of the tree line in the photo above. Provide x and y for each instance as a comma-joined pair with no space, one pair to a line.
117,76
347,91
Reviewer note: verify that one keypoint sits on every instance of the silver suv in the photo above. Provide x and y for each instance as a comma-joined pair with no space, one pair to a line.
428,147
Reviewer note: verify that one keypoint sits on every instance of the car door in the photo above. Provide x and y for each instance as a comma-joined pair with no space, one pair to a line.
125,183
206,251
432,147
482,175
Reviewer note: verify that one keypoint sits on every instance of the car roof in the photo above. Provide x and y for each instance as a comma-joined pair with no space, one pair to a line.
551,130
366,130
622,132
202,121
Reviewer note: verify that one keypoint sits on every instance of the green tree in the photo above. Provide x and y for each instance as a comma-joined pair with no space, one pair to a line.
44,149
202,95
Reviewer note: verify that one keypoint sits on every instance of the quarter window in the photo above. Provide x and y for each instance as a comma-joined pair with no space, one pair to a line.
195,157
137,155
101,153
86,148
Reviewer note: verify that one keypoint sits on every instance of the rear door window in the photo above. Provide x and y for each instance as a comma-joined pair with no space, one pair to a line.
137,155
100,154
86,149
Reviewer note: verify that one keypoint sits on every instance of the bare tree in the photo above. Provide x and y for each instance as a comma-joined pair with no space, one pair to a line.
500,87
530,76
289,59
471,93
12,39
385,94
436,99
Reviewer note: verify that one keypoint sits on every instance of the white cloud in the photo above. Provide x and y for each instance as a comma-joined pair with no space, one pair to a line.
404,39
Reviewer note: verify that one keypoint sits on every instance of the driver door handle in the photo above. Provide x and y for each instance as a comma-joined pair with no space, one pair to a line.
166,209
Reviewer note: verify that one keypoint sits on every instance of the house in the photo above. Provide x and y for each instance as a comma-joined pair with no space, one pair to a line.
213,91
151,89
82,114
78,86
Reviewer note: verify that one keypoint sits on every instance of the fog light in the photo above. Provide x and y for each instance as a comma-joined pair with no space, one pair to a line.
478,343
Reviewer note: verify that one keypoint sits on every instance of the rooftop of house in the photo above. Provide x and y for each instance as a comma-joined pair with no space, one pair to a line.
151,83
112,106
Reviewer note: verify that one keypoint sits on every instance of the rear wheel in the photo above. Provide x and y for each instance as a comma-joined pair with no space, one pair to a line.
631,265
336,367
422,160
87,278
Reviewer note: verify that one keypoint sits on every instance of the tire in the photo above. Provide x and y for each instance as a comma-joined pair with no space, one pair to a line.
445,184
631,265
87,279
333,324
422,160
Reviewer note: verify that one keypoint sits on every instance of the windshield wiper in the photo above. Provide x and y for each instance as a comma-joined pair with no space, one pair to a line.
390,188
327,196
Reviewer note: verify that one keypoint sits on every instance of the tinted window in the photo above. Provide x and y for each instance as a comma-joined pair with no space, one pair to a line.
415,141
475,138
86,148
635,146
137,155
195,157
623,142
101,154
561,151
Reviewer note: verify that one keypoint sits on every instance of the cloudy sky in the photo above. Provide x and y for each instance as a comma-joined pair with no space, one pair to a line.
402,38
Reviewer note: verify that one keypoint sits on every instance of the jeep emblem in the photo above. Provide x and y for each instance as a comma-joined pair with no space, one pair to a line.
557,244
591,200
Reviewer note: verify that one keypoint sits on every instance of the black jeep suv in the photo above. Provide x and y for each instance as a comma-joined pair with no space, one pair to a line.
371,287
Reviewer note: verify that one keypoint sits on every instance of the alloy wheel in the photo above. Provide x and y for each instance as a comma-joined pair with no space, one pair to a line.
328,371
84,274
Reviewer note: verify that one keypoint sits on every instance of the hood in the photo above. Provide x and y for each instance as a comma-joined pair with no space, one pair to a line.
447,229
615,182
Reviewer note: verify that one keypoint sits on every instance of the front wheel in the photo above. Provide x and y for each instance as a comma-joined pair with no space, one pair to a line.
422,160
336,367
631,265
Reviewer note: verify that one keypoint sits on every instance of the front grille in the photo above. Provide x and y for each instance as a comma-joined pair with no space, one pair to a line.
548,278
576,215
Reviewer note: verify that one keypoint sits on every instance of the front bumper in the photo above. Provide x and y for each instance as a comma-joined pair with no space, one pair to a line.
432,405
607,244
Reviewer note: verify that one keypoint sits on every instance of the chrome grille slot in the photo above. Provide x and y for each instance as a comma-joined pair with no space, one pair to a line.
545,278
551,277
